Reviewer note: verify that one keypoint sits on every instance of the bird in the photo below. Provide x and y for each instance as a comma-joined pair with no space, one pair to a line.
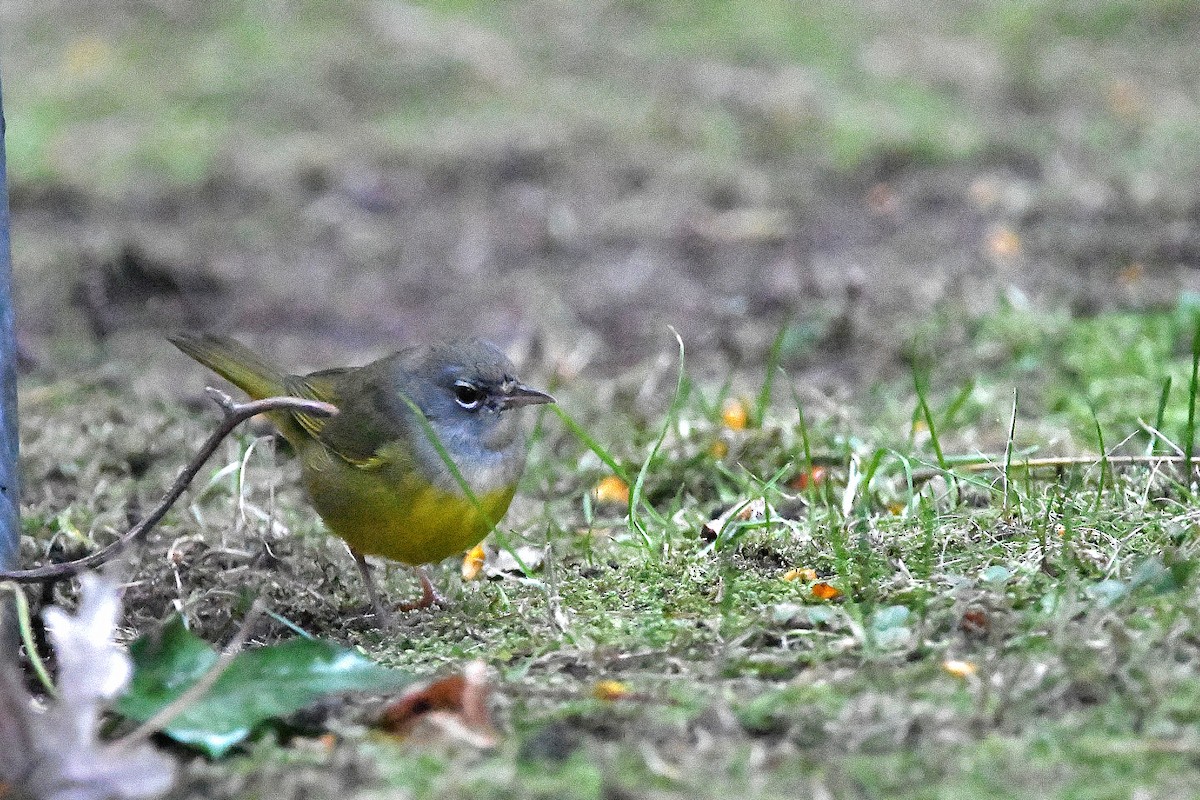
423,457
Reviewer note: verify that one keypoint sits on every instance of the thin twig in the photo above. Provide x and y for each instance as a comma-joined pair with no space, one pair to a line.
234,414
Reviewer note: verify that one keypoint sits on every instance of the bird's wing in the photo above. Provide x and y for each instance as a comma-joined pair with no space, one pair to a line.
326,386
355,434
320,386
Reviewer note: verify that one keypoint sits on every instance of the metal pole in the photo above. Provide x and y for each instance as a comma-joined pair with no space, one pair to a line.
10,495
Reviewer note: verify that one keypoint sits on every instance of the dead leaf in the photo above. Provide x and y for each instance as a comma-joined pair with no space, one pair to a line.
881,199
503,563
744,225
975,622
735,415
610,690
1125,99
1003,242
86,58
473,562
611,490
55,753
1131,273
809,478
453,708
806,575
985,192
825,591
959,668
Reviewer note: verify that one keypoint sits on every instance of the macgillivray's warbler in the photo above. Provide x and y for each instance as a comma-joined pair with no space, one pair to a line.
377,472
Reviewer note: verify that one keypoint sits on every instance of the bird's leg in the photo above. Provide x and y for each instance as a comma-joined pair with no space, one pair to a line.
382,615
429,595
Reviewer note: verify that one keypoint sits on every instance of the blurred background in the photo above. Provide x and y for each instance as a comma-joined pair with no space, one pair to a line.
332,180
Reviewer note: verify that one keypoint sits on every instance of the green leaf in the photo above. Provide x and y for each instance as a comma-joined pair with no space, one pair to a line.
164,665
263,684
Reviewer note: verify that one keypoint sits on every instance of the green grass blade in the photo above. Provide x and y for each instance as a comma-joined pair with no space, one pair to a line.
24,626
1161,413
805,442
1189,437
1008,451
636,490
906,468
927,415
957,402
1105,467
448,460
773,358
590,442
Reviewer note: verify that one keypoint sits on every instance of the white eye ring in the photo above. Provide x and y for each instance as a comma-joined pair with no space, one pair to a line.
468,395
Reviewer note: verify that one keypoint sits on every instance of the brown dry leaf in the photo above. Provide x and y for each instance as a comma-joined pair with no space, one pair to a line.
610,690
1003,242
735,414
87,57
809,478
985,192
452,708
825,591
472,564
975,622
959,668
1132,273
611,489
806,574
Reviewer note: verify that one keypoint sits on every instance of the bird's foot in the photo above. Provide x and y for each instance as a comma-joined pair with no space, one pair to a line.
382,616
429,595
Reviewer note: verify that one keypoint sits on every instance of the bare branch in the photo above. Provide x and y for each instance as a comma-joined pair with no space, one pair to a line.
234,414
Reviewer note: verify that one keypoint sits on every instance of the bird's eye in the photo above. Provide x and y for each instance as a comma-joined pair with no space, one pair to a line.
468,395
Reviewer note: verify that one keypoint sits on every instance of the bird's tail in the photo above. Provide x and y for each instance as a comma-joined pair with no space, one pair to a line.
233,361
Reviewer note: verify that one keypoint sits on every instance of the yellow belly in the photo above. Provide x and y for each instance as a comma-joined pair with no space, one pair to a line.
403,518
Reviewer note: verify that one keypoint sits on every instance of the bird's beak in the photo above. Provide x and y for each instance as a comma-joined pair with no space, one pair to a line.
522,395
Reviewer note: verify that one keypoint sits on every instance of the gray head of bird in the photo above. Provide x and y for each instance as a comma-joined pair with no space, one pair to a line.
468,390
